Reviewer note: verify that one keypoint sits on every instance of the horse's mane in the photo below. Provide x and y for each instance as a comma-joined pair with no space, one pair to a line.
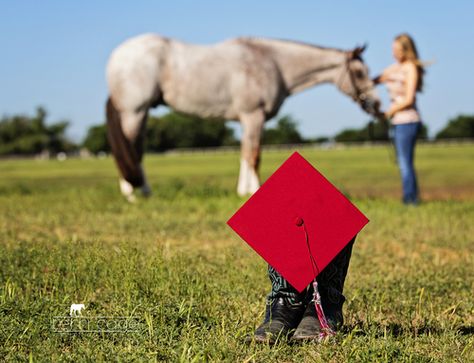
276,41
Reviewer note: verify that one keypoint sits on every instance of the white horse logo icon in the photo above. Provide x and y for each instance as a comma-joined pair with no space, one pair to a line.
76,309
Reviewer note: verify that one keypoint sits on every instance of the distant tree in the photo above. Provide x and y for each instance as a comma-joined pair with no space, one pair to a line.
423,133
350,135
20,134
375,130
285,132
372,131
57,140
461,126
173,130
176,130
318,140
96,139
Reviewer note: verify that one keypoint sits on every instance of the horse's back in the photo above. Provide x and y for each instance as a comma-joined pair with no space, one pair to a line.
135,48
134,69
217,80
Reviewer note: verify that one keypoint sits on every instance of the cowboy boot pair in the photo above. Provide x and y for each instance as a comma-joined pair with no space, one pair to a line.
288,310
330,285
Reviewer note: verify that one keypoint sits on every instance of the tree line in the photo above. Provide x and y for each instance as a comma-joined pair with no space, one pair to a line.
22,134
175,130
30,135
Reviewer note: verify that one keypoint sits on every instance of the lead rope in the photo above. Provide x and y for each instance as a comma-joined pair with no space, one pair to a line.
326,330
392,150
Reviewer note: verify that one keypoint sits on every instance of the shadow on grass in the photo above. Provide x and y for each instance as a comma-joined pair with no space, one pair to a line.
397,330
392,329
466,330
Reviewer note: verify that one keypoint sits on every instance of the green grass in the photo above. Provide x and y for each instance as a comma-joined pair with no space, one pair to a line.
66,236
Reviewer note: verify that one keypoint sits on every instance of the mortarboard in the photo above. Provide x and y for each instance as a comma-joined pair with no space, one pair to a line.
297,221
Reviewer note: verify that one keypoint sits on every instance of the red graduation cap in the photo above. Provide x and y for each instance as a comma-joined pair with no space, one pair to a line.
297,221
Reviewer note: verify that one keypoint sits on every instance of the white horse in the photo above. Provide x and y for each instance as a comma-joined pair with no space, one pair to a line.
244,79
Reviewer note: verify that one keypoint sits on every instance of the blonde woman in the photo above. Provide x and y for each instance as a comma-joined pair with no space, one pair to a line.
404,79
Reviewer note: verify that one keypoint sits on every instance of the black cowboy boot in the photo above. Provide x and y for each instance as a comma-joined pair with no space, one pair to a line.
330,286
281,319
285,307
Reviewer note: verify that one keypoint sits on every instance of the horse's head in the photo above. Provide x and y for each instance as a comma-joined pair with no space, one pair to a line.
355,82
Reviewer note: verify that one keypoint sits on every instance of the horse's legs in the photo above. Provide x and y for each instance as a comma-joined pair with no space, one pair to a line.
133,127
252,124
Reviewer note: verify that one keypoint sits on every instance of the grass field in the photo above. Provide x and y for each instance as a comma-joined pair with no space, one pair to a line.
197,290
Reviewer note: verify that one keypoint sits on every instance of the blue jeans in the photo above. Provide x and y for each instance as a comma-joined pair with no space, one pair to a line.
405,138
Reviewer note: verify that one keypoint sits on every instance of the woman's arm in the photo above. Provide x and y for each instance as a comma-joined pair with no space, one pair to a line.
382,78
410,91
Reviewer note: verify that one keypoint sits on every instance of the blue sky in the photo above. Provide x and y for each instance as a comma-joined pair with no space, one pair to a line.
54,52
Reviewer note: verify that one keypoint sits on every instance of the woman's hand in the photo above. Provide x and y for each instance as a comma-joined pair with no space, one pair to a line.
377,80
390,112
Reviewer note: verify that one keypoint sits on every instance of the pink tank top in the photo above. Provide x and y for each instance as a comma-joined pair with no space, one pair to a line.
396,88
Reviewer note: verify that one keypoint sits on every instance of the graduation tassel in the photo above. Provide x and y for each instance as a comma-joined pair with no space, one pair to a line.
326,330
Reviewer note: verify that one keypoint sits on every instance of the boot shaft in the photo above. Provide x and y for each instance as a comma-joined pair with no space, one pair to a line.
331,286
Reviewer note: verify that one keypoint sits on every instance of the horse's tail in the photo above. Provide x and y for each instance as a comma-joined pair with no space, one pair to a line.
127,155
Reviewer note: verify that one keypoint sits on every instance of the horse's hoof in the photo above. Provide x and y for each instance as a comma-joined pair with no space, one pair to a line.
131,198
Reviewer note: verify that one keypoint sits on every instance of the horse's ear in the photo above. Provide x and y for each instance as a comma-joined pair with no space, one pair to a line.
357,51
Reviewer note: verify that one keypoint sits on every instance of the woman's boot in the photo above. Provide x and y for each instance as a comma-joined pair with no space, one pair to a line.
284,310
